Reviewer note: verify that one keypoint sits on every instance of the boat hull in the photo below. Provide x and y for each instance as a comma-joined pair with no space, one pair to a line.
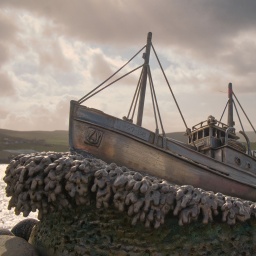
99,134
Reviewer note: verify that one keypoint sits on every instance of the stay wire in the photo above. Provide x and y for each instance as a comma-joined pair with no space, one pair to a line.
136,102
238,117
244,112
188,132
84,98
157,107
153,101
111,83
223,112
170,88
135,95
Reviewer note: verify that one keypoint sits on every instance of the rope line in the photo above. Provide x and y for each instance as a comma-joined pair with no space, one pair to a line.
244,113
223,112
157,107
238,117
85,97
135,95
91,95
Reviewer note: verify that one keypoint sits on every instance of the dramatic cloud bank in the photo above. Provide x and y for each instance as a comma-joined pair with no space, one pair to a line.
55,51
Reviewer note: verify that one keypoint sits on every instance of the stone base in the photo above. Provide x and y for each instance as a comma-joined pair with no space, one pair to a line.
86,230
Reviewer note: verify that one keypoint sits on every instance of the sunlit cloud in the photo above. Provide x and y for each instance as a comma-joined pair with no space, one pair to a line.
55,51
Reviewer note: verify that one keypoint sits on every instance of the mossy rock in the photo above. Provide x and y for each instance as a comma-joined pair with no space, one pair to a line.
86,230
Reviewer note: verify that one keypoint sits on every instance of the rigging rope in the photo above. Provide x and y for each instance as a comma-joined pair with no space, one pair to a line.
89,96
155,99
84,98
244,112
153,103
223,112
188,131
238,117
170,87
135,94
137,97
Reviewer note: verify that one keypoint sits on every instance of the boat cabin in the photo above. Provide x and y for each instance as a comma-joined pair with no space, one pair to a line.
210,134
219,141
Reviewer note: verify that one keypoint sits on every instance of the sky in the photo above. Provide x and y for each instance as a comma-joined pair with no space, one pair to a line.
52,52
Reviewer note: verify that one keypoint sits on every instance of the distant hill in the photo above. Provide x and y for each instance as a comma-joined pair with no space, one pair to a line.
17,142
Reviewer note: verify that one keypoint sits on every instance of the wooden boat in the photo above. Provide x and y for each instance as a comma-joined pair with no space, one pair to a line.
213,159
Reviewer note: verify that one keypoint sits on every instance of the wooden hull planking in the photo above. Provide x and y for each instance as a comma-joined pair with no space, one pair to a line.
107,138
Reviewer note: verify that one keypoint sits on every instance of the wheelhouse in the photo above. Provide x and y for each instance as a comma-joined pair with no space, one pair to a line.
219,141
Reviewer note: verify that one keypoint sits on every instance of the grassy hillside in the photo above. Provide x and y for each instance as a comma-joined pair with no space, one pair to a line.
16,142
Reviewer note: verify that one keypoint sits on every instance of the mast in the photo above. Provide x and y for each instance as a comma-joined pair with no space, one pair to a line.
230,106
144,79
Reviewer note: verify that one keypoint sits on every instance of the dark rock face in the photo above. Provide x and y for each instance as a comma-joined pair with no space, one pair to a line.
23,228
87,230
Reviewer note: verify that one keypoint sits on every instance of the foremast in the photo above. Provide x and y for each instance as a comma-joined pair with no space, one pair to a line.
143,85
230,106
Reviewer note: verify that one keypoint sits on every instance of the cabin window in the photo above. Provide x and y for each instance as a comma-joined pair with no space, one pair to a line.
194,136
206,132
237,160
200,134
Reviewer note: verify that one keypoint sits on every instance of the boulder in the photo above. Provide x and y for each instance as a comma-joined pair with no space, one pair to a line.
13,246
4,231
23,228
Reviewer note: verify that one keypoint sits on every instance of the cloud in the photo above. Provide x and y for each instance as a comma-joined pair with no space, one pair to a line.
119,21
3,113
36,116
49,49
201,29
100,68
9,31
6,85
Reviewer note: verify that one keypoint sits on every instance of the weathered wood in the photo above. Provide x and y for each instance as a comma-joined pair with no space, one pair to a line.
115,140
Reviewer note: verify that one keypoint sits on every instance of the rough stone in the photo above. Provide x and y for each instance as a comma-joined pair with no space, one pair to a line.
87,230
16,246
23,228
7,232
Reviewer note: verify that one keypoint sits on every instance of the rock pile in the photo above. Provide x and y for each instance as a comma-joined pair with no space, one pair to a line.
50,181
15,242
